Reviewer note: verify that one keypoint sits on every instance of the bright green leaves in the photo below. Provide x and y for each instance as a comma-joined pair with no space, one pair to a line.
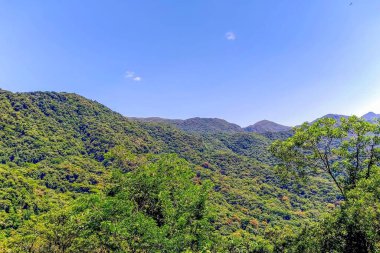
352,228
165,192
157,207
363,210
345,150
348,151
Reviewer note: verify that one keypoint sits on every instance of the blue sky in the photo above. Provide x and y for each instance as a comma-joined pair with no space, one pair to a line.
241,60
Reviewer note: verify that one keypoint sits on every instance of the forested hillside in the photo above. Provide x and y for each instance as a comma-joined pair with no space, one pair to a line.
78,177
197,125
215,125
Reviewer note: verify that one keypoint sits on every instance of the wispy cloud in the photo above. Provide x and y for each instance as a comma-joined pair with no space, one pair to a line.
132,76
230,36
129,74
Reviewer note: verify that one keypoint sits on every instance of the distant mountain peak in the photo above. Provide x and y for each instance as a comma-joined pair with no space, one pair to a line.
371,116
265,126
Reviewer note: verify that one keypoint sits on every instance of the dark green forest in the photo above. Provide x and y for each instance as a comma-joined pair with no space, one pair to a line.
77,177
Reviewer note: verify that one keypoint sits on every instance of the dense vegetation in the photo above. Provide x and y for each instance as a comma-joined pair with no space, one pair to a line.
78,177
215,125
348,151
197,125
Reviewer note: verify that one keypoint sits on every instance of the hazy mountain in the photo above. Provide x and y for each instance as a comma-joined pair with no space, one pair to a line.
371,116
266,126
333,116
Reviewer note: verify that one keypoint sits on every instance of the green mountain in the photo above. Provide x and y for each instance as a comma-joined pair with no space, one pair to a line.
174,122
61,153
215,125
197,125
266,126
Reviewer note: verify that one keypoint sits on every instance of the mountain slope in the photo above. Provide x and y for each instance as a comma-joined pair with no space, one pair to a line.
56,147
208,125
157,120
39,126
197,125
215,125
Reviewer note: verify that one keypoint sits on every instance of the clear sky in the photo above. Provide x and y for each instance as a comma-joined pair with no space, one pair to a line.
241,60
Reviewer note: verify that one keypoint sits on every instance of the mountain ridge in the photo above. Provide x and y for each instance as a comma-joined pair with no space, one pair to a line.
217,125
369,116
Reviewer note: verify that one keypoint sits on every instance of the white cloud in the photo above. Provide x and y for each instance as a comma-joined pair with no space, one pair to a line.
132,76
129,74
230,36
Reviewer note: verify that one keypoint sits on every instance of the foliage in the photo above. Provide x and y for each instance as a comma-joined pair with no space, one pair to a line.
346,151
352,228
157,208
73,175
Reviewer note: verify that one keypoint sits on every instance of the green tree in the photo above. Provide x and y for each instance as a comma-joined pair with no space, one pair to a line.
158,207
352,228
346,150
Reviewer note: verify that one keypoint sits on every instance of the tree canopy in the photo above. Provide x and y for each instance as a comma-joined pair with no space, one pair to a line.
347,150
